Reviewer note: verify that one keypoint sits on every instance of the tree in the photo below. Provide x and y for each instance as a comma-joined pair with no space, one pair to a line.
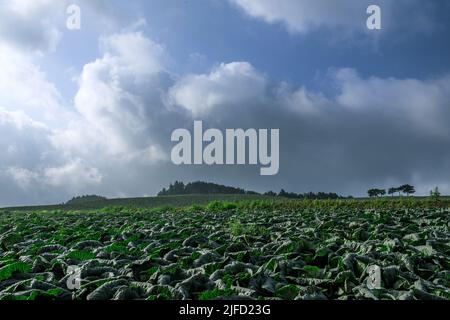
282,193
372,193
392,191
199,187
435,194
408,189
178,187
163,192
376,192
85,199
398,189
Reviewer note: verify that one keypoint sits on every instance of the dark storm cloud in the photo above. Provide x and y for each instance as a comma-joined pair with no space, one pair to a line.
373,132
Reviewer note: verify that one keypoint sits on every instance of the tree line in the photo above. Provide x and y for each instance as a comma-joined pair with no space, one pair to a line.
306,195
85,198
199,187
404,189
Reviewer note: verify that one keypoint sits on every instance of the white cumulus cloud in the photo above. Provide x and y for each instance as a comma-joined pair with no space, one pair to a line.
231,84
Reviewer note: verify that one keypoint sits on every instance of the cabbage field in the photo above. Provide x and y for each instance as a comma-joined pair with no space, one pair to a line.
226,251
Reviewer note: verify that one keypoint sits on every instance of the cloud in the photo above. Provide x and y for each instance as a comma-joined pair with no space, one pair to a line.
372,131
76,175
115,137
31,25
114,131
304,16
23,177
22,139
301,100
24,86
38,26
52,149
344,17
236,83
364,133
34,163
119,94
420,102
367,132
25,147
132,52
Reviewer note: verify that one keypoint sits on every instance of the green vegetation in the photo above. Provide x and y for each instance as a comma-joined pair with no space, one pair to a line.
216,293
81,255
9,270
435,195
220,205
258,248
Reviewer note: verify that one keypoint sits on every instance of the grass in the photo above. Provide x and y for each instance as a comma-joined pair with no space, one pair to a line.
199,203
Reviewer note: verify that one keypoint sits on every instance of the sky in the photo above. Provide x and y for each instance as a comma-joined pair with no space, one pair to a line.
91,110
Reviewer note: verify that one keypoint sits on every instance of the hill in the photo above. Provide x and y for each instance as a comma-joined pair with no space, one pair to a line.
85,199
200,187
179,194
